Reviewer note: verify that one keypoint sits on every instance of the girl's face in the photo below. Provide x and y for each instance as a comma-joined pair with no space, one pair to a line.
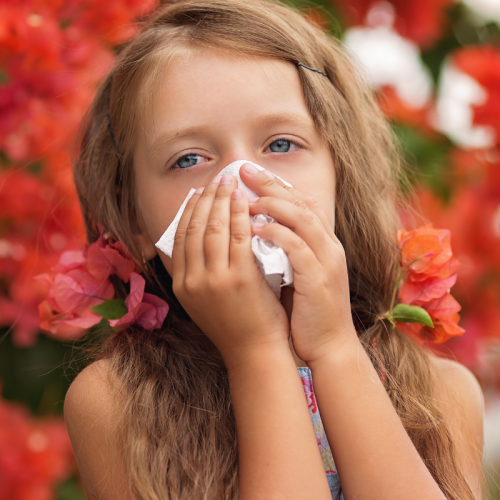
213,109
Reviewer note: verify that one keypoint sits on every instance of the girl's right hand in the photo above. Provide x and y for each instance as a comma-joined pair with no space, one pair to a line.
215,277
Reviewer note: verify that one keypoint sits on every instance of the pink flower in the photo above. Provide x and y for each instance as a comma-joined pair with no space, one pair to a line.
73,291
106,258
144,309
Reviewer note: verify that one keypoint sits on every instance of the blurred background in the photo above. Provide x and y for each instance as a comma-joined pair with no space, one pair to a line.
435,66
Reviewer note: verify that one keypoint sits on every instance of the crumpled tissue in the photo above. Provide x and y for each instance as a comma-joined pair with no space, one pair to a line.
271,260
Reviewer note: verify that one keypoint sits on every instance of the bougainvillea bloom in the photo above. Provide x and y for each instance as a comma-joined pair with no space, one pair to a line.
35,455
80,282
483,64
422,21
429,273
144,309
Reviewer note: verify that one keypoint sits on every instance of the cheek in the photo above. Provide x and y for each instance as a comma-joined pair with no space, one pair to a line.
158,206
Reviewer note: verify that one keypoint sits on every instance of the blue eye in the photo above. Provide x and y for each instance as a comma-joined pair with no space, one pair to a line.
187,161
280,146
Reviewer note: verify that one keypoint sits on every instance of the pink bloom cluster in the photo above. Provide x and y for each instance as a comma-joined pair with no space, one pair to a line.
80,281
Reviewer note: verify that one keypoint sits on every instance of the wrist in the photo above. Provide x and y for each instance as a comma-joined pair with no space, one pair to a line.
257,357
337,353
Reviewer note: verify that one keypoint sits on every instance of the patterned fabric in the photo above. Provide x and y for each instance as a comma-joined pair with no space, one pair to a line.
324,447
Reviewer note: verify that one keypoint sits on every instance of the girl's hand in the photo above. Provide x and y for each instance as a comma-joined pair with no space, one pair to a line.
215,276
321,315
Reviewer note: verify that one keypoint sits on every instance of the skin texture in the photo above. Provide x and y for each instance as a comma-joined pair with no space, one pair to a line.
226,103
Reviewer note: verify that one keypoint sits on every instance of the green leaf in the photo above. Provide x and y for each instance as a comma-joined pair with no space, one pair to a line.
411,314
111,309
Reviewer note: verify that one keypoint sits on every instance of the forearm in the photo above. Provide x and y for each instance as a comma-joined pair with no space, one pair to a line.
373,453
278,453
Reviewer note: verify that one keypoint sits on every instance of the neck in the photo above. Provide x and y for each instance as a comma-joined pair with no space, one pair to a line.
287,302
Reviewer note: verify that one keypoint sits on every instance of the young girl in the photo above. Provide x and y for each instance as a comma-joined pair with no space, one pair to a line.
211,405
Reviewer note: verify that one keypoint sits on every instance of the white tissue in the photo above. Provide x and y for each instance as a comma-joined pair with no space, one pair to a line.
271,260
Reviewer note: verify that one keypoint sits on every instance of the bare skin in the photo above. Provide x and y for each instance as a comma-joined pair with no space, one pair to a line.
218,113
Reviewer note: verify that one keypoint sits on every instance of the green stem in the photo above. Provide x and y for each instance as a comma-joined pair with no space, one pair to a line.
396,286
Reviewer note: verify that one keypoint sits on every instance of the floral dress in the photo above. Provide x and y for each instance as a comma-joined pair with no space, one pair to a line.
324,447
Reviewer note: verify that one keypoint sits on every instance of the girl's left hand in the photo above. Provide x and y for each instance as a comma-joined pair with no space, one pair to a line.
321,316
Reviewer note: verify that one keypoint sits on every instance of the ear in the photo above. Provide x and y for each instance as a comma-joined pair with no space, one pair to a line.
142,240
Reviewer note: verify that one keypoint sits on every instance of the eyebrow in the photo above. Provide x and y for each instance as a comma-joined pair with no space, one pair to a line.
264,121
164,139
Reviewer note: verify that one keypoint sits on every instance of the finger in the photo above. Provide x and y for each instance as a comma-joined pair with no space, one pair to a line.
302,221
178,255
302,258
240,246
195,231
265,183
217,232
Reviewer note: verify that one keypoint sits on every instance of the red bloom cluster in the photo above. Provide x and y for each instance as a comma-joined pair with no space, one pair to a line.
35,455
431,272
422,21
483,64
52,54
80,281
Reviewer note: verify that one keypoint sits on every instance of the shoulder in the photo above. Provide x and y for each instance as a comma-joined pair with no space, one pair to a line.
460,399
459,385
91,414
89,391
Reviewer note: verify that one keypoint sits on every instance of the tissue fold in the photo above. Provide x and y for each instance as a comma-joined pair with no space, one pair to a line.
271,260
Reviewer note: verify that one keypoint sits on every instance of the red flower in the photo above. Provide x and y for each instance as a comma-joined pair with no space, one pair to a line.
430,270
420,20
483,64
34,455
144,309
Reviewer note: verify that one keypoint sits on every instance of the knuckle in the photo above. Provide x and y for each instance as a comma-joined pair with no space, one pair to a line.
267,182
299,203
312,203
194,225
307,214
239,237
299,244
190,285
214,226
179,235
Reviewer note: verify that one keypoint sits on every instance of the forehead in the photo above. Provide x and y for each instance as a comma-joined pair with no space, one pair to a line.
199,87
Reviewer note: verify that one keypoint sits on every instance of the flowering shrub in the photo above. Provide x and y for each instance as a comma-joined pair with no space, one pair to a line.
35,455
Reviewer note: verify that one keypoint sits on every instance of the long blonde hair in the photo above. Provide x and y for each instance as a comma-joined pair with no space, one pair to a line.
180,435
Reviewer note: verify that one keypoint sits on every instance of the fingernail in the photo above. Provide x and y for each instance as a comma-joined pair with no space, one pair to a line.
253,199
250,169
200,190
258,225
216,180
226,179
237,194
269,174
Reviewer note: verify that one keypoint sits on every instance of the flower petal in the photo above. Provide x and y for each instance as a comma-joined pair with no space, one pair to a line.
102,262
161,308
134,298
419,251
443,308
70,260
418,292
